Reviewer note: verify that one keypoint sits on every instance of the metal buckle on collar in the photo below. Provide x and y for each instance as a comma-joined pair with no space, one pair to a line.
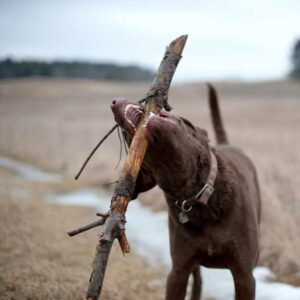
183,206
206,186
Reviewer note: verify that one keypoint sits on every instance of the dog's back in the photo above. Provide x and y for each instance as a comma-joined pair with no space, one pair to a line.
244,165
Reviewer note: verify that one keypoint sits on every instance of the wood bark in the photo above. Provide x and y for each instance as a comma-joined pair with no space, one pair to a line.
114,226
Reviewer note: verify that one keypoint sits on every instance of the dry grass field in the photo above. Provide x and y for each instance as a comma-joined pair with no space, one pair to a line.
55,123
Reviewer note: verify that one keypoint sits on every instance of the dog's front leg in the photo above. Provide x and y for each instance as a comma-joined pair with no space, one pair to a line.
244,283
183,264
176,284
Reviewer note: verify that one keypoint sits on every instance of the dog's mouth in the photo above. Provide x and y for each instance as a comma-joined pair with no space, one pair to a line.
128,116
132,116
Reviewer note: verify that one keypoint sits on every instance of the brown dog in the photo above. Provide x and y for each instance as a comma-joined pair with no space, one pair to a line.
212,196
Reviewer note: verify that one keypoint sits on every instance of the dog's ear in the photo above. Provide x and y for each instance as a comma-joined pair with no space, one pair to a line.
188,123
144,182
202,135
203,132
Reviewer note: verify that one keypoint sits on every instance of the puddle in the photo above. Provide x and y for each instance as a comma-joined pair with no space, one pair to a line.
27,171
140,220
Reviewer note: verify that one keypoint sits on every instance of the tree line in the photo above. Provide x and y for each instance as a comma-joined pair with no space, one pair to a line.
76,69
104,71
295,71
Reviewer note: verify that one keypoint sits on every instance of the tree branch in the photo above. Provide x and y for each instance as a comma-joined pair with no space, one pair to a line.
114,225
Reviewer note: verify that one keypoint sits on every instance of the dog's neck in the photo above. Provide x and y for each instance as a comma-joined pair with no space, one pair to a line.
218,205
191,174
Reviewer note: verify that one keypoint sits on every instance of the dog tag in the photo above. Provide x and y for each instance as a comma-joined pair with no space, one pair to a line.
183,217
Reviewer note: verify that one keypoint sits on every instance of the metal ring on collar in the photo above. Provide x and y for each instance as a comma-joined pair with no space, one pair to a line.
177,204
183,208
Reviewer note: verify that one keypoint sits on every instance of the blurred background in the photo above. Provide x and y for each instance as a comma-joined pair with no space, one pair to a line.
245,40
61,65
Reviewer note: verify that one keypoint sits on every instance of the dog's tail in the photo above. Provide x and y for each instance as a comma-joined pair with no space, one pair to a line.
196,290
216,116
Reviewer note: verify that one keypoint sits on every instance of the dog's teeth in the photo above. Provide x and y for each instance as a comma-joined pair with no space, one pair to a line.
130,123
135,110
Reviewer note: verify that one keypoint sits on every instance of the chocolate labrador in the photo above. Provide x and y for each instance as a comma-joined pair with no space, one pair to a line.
212,195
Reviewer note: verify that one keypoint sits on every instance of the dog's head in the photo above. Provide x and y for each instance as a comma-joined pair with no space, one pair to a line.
175,144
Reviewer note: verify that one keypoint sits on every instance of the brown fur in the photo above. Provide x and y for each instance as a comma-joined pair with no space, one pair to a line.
223,233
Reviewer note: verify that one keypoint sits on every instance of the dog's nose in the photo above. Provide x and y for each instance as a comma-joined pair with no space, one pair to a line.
114,103
118,104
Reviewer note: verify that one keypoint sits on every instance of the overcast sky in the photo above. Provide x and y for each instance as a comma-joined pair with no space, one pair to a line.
234,39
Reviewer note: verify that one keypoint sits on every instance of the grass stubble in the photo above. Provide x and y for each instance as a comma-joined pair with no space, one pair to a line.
55,123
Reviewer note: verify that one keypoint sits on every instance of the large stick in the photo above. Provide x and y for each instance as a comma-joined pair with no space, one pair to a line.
114,224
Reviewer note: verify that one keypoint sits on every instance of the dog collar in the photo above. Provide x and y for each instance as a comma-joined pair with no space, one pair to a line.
206,191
